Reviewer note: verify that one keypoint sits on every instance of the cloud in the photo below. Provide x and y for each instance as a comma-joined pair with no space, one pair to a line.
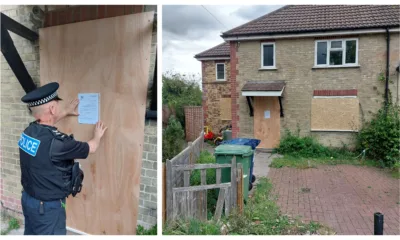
251,12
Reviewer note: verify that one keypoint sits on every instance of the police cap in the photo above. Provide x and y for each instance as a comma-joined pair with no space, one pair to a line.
42,95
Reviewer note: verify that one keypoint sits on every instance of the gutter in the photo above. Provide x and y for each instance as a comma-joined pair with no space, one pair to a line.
250,37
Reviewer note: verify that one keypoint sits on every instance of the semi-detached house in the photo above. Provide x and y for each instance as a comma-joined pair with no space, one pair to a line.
317,68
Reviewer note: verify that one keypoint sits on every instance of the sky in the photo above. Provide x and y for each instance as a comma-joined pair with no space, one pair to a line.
191,29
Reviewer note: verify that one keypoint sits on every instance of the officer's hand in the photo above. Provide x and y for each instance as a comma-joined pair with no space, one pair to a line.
72,108
99,130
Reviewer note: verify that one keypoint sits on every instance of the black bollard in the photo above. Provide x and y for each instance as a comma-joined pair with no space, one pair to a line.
378,223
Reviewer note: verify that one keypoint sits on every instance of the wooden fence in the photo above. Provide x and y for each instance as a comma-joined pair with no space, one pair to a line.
180,200
191,201
188,156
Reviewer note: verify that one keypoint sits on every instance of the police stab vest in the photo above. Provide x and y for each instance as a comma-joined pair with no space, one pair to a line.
42,177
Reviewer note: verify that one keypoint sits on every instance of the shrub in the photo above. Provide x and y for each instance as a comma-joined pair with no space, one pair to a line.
308,147
179,91
173,139
195,179
381,137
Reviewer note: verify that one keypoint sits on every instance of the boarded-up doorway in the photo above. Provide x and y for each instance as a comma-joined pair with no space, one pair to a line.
109,56
267,121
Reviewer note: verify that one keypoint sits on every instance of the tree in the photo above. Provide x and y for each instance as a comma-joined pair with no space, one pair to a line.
180,90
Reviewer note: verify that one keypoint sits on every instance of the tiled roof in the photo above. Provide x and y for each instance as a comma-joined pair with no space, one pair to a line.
222,50
263,86
314,18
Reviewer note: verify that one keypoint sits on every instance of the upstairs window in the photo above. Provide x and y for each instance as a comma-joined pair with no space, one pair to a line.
268,55
220,71
336,53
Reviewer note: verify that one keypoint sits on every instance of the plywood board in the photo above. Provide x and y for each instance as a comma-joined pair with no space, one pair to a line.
267,121
225,109
112,57
333,114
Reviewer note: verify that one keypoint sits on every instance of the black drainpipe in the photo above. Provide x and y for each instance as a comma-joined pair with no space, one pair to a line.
387,69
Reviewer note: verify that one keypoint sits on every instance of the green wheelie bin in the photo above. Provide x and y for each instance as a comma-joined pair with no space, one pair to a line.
224,154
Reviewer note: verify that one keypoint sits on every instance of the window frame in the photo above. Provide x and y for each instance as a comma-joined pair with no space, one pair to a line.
262,55
344,48
216,72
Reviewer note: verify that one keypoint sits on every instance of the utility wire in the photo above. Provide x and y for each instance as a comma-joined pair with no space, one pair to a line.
214,17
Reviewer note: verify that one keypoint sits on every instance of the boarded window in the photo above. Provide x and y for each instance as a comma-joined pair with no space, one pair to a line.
225,109
335,114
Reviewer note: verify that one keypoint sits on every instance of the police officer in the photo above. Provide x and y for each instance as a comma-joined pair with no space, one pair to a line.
48,171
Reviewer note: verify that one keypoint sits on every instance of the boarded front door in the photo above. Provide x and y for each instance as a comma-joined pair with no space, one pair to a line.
267,121
109,56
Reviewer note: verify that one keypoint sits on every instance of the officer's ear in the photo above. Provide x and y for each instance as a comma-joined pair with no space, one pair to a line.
53,108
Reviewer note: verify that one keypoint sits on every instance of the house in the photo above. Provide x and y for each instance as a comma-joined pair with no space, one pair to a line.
317,68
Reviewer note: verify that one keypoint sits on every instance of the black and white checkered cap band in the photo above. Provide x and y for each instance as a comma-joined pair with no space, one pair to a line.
43,100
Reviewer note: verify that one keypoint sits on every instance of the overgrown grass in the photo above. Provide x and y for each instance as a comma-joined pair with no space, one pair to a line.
13,223
304,163
140,230
307,152
294,145
261,216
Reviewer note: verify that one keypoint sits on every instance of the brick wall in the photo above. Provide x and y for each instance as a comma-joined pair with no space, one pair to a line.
148,181
193,122
294,61
213,91
15,117
14,114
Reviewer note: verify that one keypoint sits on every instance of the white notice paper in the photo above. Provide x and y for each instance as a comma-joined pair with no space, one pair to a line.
267,114
88,108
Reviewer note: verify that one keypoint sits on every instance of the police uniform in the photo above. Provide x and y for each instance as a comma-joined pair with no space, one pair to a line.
47,164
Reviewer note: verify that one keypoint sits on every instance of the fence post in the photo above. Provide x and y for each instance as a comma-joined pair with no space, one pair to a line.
202,141
190,145
240,188
169,186
164,194
378,223
234,187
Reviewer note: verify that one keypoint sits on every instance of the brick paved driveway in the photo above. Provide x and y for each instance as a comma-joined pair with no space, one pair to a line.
343,197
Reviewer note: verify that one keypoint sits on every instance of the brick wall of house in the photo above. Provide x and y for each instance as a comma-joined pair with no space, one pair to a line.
294,62
14,114
193,122
213,91
15,117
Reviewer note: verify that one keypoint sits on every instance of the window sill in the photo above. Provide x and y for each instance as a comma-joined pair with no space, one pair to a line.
322,130
268,69
342,66
216,82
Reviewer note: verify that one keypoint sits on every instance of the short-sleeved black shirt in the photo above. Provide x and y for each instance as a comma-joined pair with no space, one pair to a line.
69,149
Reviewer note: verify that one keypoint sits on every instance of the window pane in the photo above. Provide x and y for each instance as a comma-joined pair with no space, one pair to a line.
351,51
336,44
336,58
268,58
220,71
321,52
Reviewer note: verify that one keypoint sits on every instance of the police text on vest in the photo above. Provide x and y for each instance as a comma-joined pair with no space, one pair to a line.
29,144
